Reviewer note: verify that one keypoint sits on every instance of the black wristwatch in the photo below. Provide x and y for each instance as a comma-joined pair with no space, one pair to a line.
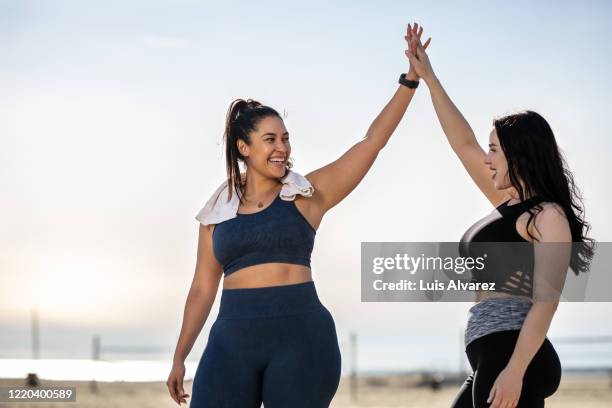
406,82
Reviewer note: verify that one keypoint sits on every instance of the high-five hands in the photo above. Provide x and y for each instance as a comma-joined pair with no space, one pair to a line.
420,67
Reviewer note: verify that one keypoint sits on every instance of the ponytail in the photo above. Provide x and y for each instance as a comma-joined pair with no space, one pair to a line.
242,118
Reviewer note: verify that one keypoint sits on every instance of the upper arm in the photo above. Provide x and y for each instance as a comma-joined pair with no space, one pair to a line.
333,182
552,253
472,157
208,271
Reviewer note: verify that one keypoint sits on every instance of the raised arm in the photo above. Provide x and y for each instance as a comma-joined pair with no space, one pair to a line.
457,130
201,296
336,180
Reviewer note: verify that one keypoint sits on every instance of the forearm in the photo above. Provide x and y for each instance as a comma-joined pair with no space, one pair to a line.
455,127
387,120
532,335
197,309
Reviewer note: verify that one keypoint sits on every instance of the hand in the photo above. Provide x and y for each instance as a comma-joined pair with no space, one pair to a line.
175,383
420,67
506,390
412,31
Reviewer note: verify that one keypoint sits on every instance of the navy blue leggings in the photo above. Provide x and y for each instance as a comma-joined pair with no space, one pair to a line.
489,355
275,345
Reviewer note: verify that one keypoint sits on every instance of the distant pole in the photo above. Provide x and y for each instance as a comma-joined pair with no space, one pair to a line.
95,355
35,335
32,379
95,348
353,377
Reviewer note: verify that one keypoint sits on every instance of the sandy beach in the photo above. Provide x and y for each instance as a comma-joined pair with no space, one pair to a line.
582,391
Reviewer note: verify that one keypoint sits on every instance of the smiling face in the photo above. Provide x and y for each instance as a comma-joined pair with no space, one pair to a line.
496,160
269,149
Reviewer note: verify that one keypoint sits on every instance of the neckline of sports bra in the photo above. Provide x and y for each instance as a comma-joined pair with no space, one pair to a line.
520,203
515,210
260,211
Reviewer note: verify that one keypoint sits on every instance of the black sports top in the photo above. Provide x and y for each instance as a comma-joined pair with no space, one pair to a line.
509,266
278,233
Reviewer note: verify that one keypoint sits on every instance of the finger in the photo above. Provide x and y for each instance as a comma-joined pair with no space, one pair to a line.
492,393
413,60
420,32
170,385
420,53
181,391
497,400
412,43
177,395
420,47
427,43
409,31
418,41
415,28
414,46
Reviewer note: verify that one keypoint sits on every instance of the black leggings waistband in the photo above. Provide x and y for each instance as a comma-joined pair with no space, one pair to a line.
270,301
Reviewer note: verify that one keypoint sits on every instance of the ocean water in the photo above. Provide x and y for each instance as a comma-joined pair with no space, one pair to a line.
146,355
85,370
373,358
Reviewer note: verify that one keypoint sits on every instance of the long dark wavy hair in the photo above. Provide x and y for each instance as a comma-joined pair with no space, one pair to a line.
536,167
243,116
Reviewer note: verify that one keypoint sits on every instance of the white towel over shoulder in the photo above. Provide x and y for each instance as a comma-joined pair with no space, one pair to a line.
218,209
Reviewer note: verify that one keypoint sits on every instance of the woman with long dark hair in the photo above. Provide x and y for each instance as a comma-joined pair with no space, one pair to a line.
525,178
273,340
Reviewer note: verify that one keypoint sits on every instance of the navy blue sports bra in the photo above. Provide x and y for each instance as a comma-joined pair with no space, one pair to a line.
509,257
278,233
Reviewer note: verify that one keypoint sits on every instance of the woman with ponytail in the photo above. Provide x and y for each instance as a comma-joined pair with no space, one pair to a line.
273,341
525,178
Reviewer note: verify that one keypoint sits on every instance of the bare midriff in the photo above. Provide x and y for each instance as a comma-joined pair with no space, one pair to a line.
268,274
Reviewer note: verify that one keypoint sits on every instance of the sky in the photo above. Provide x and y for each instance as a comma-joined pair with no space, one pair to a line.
111,122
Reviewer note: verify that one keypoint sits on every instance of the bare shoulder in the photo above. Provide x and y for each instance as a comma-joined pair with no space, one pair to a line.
205,238
550,223
206,230
550,212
